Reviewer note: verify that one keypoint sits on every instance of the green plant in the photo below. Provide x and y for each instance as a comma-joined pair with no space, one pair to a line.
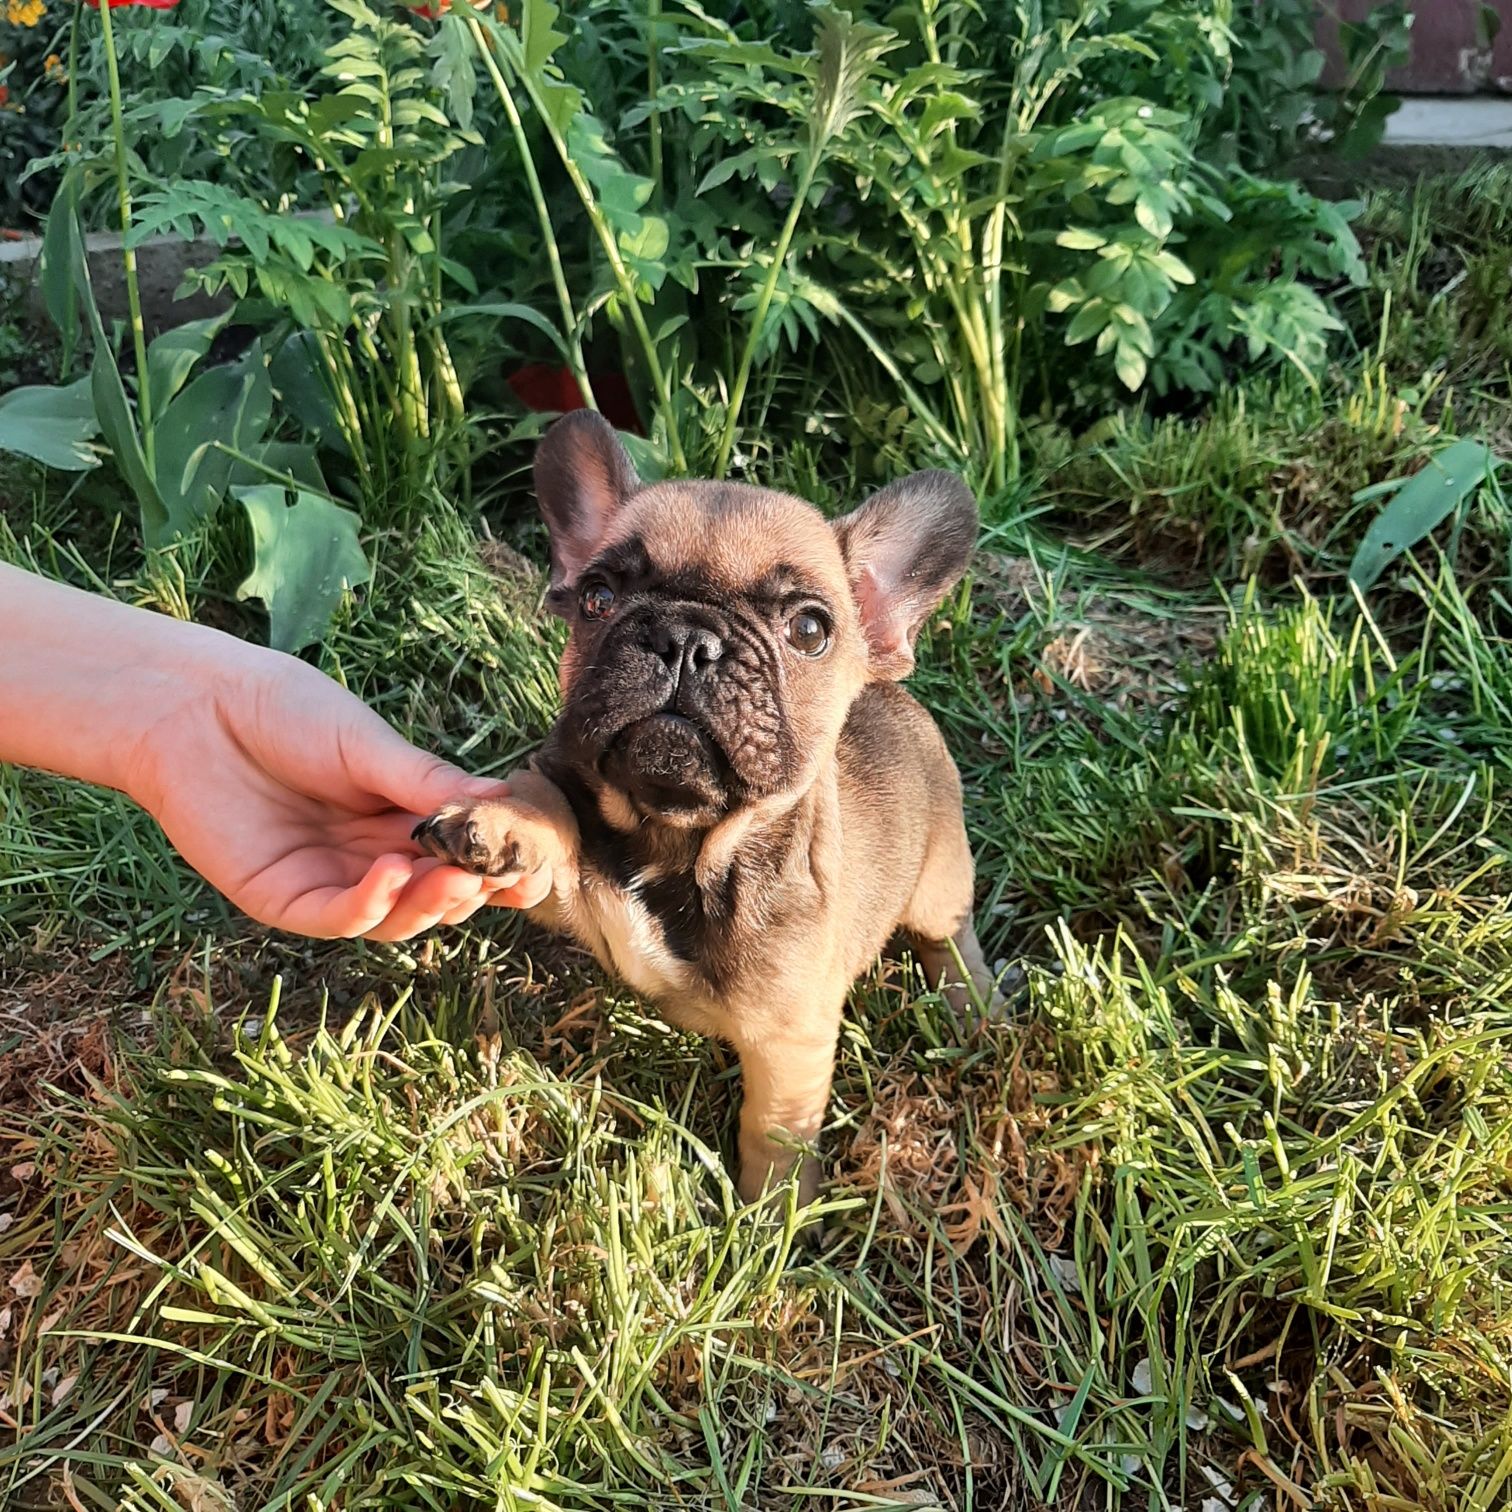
633,239
984,195
171,64
1272,104
1418,505
362,286
33,102
184,437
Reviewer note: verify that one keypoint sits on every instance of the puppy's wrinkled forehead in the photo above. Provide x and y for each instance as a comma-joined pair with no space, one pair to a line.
728,538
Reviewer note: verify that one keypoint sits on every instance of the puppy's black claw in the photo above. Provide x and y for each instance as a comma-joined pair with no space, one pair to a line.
422,831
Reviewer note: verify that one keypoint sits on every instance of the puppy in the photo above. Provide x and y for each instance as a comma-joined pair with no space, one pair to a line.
738,806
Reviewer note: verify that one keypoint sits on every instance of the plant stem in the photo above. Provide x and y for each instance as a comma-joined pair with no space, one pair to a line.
763,304
543,214
70,331
413,419
128,252
653,85
73,75
449,398
921,406
605,233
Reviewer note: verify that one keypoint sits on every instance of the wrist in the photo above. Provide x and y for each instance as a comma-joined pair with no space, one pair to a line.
186,673
88,685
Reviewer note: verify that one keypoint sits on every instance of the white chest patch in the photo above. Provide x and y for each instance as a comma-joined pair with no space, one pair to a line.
634,943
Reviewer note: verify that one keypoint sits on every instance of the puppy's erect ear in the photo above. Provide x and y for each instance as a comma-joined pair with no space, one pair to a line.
582,478
905,549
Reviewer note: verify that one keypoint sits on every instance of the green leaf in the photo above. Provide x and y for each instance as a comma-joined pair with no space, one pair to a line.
118,426
171,357
1153,212
69,262
1130,365
1064,295
649,460
621,193
60,255
232,405
508,311
1088,321
944,108
299,379
849,51
1080,240
1173,267
53,426
305,557
538,33
1426,499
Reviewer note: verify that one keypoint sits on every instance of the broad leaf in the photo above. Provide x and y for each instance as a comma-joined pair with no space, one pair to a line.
232,405
59,290
303,390
648,458
112,409
53,426
1425,500
171,357
540,37
454,67
305,557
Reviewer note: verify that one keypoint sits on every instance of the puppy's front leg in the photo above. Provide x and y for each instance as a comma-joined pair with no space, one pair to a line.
785,1096
529,837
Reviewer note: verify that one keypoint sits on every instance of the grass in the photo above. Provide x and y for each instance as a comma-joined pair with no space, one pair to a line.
1220,1220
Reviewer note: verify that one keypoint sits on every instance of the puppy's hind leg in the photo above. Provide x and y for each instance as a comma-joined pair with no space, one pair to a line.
938,920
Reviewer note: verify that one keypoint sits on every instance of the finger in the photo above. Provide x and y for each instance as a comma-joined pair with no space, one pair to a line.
426,902
520,892
464,911
382,761
347,912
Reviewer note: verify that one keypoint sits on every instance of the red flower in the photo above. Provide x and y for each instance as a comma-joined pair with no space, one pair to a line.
147,4
553,390
435,9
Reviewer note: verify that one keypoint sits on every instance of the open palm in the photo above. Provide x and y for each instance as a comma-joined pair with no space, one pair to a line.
296,801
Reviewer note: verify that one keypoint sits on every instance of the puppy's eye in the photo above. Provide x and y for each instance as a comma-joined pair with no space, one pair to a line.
597,600
808,633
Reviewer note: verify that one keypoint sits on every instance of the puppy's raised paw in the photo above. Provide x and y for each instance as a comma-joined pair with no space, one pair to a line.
492,837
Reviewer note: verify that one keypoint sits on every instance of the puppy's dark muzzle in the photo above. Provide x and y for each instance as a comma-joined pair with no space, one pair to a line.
667,764
671,686
691,653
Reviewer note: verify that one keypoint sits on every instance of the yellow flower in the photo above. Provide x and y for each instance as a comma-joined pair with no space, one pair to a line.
52,66
24,12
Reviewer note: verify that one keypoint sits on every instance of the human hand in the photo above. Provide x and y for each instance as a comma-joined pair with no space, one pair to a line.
296,801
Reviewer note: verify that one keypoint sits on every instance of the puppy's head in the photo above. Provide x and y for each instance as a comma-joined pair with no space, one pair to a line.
721,632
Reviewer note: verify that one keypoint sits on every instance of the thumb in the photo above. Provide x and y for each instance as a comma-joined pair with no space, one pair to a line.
383,762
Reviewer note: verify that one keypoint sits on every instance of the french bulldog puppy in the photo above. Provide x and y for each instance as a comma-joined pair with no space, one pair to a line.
739,806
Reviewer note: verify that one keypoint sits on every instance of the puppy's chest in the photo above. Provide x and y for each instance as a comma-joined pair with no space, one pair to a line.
632,940
669,939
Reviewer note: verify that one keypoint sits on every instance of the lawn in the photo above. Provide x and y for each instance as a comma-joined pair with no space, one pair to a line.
1217,1219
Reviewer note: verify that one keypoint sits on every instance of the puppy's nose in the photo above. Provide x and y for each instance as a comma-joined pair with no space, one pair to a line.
685,648
701,647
